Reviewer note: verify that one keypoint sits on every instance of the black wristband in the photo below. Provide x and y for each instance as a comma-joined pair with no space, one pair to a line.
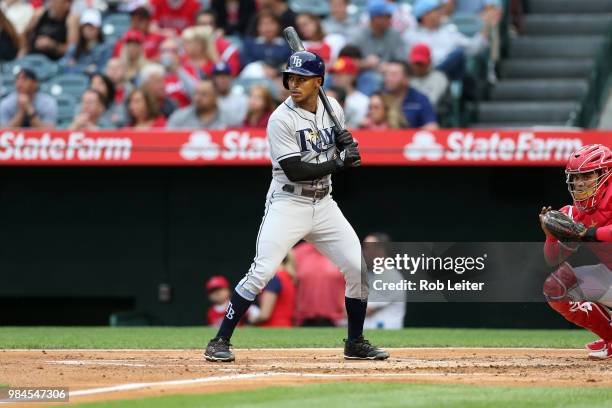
591,235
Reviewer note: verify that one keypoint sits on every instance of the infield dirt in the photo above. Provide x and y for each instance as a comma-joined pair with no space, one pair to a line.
97,375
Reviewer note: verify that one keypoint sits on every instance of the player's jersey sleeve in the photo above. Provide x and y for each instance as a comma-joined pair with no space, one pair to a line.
282,140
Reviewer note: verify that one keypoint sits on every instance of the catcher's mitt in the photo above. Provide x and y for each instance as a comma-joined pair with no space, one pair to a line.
562,226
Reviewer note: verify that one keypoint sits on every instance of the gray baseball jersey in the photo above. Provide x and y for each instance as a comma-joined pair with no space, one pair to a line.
290,216
293,131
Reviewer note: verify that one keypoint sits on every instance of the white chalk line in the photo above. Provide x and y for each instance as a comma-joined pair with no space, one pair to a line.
136,386
51,350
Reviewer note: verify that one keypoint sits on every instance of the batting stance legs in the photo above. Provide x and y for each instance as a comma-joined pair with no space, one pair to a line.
288,219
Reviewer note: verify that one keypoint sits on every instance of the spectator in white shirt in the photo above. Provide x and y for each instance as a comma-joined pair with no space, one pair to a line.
449,47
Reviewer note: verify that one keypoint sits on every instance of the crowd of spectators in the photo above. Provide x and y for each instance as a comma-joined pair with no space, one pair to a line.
194,63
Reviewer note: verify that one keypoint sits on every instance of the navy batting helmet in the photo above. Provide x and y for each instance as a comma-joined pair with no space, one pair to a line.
303,63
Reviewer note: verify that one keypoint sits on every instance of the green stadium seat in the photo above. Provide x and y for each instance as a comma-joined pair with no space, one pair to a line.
66,105
38,63
114,26
317,7
7,85
67,84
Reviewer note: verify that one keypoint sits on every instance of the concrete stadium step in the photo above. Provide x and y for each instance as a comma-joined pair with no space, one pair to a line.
526,112
585,46
546,68
569,6
562,24
539,89
503,125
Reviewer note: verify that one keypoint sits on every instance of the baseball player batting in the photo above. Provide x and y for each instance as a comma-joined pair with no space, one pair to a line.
306,149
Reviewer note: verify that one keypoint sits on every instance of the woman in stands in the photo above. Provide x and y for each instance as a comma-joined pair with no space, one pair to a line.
47,31
311,32
115,112
260,106
116,71
201,53
143,111
90,54
132,54
381,114
268,45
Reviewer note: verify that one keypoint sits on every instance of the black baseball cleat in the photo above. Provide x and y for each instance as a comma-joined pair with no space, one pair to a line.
361,349
218,349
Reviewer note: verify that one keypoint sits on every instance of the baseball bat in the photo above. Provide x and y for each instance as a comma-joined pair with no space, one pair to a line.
295,43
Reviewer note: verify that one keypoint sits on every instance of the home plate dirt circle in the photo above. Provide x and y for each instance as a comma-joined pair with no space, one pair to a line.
95,375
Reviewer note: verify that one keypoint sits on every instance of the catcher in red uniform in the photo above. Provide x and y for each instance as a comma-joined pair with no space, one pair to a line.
583,295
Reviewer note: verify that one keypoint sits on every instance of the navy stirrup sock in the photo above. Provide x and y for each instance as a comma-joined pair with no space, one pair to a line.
235,310
355,312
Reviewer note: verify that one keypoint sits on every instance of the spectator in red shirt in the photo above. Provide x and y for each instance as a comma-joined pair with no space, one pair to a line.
277,300
179,84
143,111
140,20
320,289
200,52
260,107
311,33
218,291
228,52
175,15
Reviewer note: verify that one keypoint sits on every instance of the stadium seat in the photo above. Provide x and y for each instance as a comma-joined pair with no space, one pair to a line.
317,7
7,85
66,106
67,84
38,63
114,26
467,23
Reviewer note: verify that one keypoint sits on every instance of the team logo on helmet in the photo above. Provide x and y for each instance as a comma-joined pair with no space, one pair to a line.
296,61
304,63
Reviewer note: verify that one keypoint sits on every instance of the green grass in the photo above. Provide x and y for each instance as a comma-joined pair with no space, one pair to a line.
352,395
197,337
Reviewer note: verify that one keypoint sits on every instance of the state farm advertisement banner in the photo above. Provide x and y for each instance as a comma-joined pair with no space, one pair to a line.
452,147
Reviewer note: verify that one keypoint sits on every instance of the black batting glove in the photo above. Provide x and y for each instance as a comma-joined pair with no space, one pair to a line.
343,138
349,157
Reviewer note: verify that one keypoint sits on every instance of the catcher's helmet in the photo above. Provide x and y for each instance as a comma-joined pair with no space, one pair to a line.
588,159
303,63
